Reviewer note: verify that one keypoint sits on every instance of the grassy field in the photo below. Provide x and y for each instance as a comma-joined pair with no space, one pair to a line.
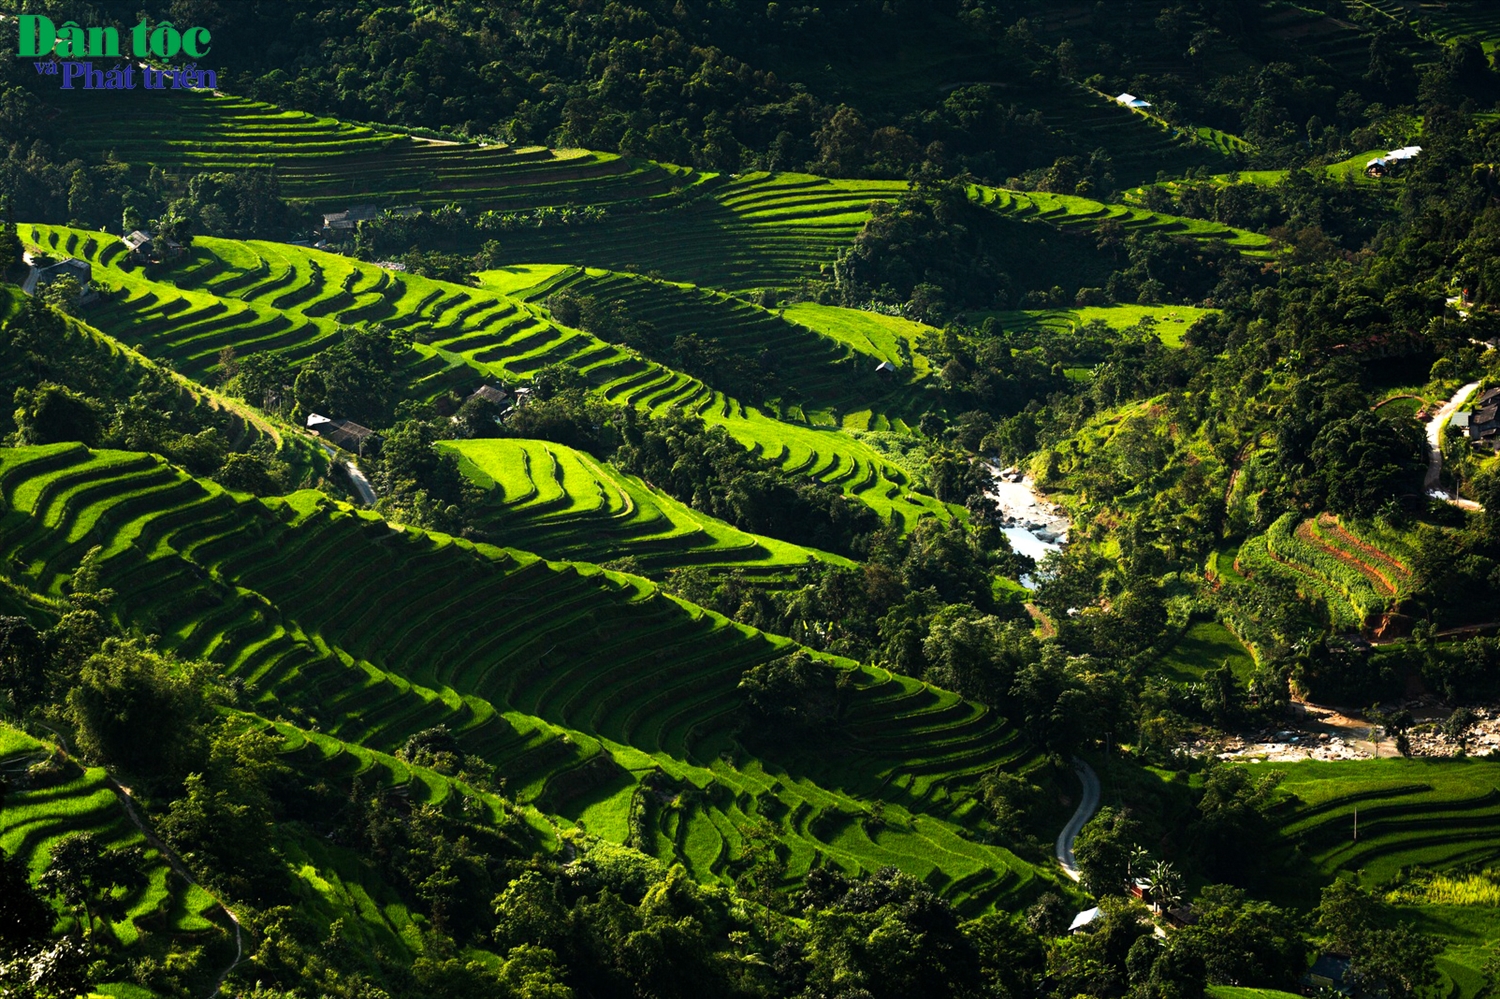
565,504
1205,646
574,682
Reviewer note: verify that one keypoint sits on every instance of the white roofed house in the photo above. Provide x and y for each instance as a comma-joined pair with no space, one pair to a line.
342,433
1132,101
1392,162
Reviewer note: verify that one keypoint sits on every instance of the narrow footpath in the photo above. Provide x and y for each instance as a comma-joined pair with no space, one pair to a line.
1086,809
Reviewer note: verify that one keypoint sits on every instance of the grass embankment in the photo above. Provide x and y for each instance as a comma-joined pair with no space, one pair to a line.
574,683
564,504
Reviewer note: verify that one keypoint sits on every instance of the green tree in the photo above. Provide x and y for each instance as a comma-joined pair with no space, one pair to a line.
53,413
1102,851
127,689
1246,942
25,918
797,691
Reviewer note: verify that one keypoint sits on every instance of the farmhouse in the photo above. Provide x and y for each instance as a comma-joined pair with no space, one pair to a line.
1392,162
490,394
342,433
350,218
1132,101
1482,426
1083,919
143,248
79,270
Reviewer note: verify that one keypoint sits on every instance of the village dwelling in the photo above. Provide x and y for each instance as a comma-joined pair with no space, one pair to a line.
490,394
1392,162
344,434
885,369
1132,101
1083,919
143,248
79,270
1327,972
349,219
1482,425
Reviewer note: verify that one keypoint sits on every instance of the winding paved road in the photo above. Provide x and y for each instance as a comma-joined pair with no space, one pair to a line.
1435,436
1086,809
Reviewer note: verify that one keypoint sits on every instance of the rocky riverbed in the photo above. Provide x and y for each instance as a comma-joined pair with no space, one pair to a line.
1034,526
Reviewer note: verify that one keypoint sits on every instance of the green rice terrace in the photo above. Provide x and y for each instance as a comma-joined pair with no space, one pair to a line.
564,504
1439,814
828,377
51,798
256,296
323,159
601,700
733,232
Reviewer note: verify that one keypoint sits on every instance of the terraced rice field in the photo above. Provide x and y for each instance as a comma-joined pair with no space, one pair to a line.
1443,22
46,805
564,504
1070,211
1172,321
1140,143
824,377
575,683
328,162
1441,814
256,296
1324,557
756,230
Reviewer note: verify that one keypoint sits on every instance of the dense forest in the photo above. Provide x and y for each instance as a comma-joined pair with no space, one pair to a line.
599,571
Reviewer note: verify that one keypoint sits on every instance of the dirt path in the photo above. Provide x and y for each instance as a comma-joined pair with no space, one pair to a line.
1234,468
178,867
1047,628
